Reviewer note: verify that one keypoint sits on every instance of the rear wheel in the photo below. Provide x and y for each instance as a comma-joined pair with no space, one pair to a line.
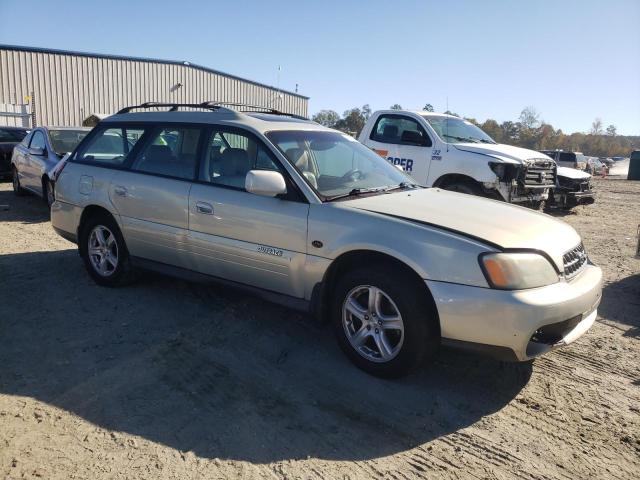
17,188
47,188
384,323
104,251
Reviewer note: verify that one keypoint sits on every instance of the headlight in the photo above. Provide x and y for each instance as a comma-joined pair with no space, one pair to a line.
498,169
515,271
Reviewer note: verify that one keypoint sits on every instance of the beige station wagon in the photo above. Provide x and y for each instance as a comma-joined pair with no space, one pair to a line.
307,216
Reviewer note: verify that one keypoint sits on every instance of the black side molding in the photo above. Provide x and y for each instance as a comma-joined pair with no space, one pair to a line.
294,303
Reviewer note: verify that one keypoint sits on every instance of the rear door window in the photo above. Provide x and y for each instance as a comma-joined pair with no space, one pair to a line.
110,146
171,152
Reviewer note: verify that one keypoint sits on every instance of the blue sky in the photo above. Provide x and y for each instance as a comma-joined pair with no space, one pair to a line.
572,60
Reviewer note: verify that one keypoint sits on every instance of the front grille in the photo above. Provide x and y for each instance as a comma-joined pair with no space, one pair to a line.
540,173
574,261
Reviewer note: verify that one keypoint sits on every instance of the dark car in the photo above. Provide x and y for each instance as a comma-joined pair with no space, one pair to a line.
9,138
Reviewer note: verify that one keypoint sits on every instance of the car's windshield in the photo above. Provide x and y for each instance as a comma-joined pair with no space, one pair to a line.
337,165
457,130
65,141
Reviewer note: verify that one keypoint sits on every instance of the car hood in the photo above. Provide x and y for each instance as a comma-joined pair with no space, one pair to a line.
498,223
573,173
506,153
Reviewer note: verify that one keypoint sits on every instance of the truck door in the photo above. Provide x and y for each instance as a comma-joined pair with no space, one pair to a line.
402,141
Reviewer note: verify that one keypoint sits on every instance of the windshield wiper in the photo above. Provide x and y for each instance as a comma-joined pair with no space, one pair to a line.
402,185
355,192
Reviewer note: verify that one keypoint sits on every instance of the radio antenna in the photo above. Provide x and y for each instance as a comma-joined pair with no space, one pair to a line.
447,124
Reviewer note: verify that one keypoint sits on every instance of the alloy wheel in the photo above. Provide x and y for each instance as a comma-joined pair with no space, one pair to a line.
372,323
103,250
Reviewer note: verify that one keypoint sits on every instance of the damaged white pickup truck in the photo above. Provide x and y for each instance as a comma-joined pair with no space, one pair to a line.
449,152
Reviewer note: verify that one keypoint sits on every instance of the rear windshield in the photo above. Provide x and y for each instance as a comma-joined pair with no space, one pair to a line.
65,141
10,135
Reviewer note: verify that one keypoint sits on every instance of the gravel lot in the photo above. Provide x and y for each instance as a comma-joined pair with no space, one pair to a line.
166,379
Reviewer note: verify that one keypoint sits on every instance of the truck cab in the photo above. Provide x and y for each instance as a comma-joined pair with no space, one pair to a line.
446,151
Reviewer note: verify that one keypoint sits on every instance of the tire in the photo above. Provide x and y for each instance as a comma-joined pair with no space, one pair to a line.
48,192
405,348
100,238
17,189
464,187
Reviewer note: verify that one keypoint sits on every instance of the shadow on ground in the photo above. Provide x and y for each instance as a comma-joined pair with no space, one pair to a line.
620,303
209,370
32,209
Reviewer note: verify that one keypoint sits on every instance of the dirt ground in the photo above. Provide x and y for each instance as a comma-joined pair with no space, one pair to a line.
166,379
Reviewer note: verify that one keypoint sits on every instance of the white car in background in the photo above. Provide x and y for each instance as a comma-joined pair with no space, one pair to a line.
446,151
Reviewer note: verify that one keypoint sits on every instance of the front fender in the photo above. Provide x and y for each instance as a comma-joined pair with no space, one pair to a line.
433,253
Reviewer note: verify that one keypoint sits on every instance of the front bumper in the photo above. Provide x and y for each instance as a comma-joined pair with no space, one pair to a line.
522,323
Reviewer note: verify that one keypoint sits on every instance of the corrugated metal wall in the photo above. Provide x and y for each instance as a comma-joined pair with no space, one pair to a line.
69,87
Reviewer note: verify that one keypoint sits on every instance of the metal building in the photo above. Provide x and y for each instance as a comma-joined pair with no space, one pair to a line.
55,87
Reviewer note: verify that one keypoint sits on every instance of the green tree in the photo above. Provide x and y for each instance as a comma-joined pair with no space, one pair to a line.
428,107
351,122
491,128
327,118
612,130
396,106
449,112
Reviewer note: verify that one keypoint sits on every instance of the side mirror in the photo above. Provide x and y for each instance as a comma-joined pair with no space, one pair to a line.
37,151
267,183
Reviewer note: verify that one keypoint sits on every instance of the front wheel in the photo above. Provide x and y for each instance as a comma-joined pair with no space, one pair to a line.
384,323
464,187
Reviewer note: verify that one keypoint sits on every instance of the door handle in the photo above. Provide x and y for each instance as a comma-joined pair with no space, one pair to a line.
204,207
120,190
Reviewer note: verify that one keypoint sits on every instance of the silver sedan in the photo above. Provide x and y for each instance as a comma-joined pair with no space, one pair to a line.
37,155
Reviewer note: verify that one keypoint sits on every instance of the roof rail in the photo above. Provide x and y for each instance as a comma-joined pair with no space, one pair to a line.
213,106
174,106
256,109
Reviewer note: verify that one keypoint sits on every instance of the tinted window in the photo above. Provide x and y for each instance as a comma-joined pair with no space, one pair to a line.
110,145
171,152
37,140
567,157
65,141
12,135
399,130
228,157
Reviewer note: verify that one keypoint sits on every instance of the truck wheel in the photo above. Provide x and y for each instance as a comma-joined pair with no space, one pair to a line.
17,189
104,251
384,323
464,187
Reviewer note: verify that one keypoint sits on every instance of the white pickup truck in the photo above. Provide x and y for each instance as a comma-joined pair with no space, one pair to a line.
449,152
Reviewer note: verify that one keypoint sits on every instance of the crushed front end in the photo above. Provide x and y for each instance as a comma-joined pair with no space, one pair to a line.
526,183
571,192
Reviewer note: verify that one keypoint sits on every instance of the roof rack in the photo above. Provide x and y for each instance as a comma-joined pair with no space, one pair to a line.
174,106
257,109
213,106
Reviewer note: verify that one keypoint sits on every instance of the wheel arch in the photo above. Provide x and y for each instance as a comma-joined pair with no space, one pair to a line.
88,212
321,297
449,178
